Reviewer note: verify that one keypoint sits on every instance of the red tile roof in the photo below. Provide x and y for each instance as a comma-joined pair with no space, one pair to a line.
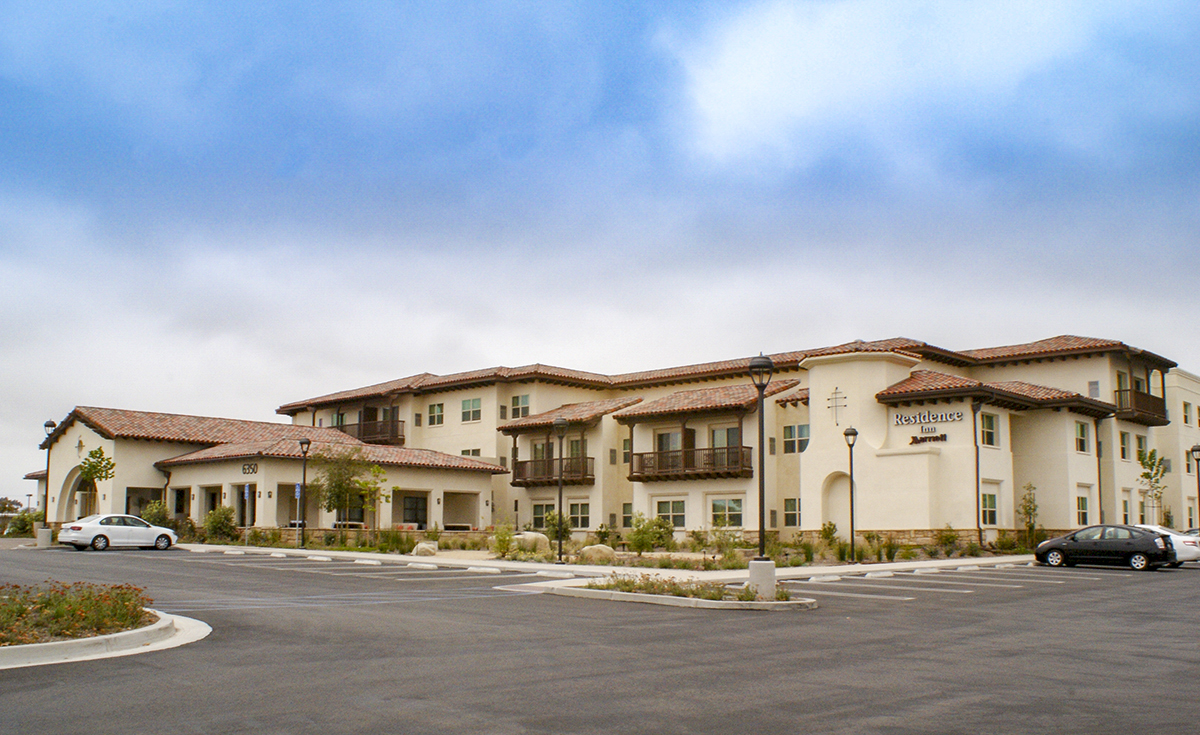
381,455
705,400
575,413
39,475
932,385
1066,344
112,423
800,396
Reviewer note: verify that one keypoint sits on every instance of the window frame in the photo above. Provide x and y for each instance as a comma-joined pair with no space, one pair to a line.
437,414
724,518
472,410
677,509
1081,510
1083,442
579,514
796,436
520,406
791,512
989,509
989,429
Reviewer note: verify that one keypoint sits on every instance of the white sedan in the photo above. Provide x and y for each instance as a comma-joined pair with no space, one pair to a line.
1187,548
103,531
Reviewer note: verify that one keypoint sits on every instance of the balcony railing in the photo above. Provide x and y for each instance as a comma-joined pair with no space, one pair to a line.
692,464
537,472
1141,408
376,432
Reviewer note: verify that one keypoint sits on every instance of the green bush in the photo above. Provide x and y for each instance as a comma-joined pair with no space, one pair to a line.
155,513
556,527
810,551
80,610
1005,542
651,533
973,549
828,532
218,524
607,535
433,533
503,543
22,524
947,539
890,547
396,542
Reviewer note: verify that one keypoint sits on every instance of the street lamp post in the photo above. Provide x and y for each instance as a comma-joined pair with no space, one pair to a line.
851,435
1195,452
49,426
305,443
560,430
762,569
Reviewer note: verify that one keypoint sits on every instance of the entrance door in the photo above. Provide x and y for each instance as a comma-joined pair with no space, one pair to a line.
416,511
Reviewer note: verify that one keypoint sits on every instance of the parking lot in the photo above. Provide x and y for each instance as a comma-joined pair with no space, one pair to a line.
307,645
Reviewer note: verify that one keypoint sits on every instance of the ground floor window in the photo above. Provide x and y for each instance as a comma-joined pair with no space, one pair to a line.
181,500
672,510
727,512
579,515
1191,514
987,504
539,513
791,512
626,515
1141,511
1081,510
416,510
1125,511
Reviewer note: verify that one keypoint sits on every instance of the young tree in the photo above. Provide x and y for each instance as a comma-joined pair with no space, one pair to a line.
95,468
344,478
1151,479
1027,509
8,505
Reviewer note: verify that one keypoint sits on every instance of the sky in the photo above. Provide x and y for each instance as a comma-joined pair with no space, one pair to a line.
217,208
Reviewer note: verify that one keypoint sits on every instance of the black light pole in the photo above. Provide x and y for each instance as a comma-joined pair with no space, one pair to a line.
1195,451
49,426
851,435
560,430
761,368
305,443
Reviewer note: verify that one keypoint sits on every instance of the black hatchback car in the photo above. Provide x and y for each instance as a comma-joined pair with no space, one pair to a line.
1140,548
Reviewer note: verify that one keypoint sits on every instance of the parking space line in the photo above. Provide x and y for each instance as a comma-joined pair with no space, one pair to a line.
882,585
860,595
926,580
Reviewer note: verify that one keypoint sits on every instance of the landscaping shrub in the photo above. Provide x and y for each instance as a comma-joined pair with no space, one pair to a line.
503,543
398,542
21,524
36,615
947,540
218,524
828,532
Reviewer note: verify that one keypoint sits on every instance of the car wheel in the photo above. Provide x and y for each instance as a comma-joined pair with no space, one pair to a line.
163,542
1056,558
100,543
1139,562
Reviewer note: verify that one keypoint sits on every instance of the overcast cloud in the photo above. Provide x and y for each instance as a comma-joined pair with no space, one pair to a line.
217,209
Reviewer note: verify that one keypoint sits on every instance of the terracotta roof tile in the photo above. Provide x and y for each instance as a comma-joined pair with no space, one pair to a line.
721,398
574,413
113,423
38,475
928,384
381,455
800,396
921,381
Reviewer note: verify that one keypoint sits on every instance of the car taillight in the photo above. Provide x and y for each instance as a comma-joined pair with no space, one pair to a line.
76,528
1190,543
1159,543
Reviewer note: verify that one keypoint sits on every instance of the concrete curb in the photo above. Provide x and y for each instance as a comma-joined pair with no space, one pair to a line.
170,631
671,601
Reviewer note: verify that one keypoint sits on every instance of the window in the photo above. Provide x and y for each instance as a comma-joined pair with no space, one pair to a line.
543,450
579,515
539,513
626,450
1191,514
1122,380
1081,510
472,410
520,406
1141,446
1139,384
1141,511
416,419
612,456
339,419
1124,445
1093,389
576,447
795,440
791,512
1125,511
503,412
987,430
416,510
470,452
987,505
1081,437
1187,412
436,413
727,512
626,515
181,501
672,510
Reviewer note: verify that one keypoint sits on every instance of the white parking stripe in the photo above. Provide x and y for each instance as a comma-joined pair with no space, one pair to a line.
886,586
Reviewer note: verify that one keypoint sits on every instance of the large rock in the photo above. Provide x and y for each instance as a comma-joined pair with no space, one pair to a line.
532,541
597,553
425,548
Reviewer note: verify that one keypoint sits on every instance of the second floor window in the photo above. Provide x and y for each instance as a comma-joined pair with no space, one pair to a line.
436,414
795,439
1141,447
1081,437
1187,413
472,410
988,435
520,406
1124,439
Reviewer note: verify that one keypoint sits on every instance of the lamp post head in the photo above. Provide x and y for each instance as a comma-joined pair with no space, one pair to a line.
851,435
560,427
1196,452
761,368
305,443
49,426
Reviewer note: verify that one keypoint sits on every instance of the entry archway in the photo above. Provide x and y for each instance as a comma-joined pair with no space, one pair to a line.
835,502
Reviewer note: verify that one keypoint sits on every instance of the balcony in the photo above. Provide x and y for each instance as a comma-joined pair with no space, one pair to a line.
541,472
376,432
692,464
1140,408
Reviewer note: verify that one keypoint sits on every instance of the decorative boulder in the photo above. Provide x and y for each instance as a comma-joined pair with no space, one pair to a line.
425,548
532,541
597,553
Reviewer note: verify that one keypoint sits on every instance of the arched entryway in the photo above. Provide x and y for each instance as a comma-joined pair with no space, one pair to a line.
77,498
835,502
